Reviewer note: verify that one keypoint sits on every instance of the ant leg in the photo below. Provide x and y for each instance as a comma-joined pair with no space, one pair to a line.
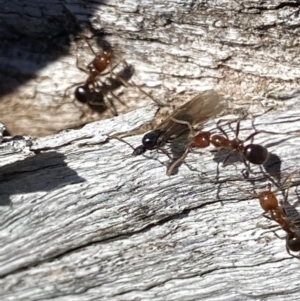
286,195
112,107
226,159
112,73
116,97
253,134
165,152
237,131
221,129
135,85
262,131
78,66
237,128
183,122
285,189
70,87
268,217
269,187
253,194
247,165
274,231
111,103
121,140
288,178
148,95
90,46
176,162
288,251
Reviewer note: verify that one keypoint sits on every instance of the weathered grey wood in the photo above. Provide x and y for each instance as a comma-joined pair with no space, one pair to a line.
86,221
91,222
244,49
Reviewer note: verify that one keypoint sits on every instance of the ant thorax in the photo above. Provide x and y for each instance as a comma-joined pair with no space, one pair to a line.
237,144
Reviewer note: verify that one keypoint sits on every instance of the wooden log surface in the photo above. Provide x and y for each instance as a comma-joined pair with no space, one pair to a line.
81,219
86,221
246,50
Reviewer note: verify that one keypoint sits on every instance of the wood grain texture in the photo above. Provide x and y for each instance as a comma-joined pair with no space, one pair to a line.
91,222
244,50
82,219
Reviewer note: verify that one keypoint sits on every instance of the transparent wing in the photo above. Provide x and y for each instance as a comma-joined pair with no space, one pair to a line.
198,110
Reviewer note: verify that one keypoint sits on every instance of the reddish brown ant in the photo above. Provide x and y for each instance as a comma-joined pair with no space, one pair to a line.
252,153
95,68
92,91
269,203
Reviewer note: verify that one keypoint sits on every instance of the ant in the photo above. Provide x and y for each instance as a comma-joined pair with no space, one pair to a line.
269,203
196,111
252,153
180,124
85,92
92,91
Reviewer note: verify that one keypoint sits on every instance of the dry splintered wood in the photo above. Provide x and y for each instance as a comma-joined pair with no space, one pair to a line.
86,221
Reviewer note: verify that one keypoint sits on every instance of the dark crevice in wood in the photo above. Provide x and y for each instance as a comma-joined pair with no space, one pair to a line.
148,227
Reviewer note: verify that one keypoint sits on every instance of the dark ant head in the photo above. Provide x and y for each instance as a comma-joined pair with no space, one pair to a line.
150,141
256,153
139,150
82,94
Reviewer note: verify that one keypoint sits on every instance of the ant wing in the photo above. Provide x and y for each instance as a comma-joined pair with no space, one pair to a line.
204,106
198,110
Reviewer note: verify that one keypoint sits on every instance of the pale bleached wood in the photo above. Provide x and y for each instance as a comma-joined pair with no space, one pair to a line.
91,222
244,49
94,223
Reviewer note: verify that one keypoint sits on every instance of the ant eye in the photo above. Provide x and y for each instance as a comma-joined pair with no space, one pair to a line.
81,94
150,139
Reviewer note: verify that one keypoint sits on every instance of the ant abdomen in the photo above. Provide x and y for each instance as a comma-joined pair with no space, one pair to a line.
82,94
293,242
255,153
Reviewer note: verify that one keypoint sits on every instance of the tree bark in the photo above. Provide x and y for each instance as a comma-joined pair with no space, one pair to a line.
82,219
